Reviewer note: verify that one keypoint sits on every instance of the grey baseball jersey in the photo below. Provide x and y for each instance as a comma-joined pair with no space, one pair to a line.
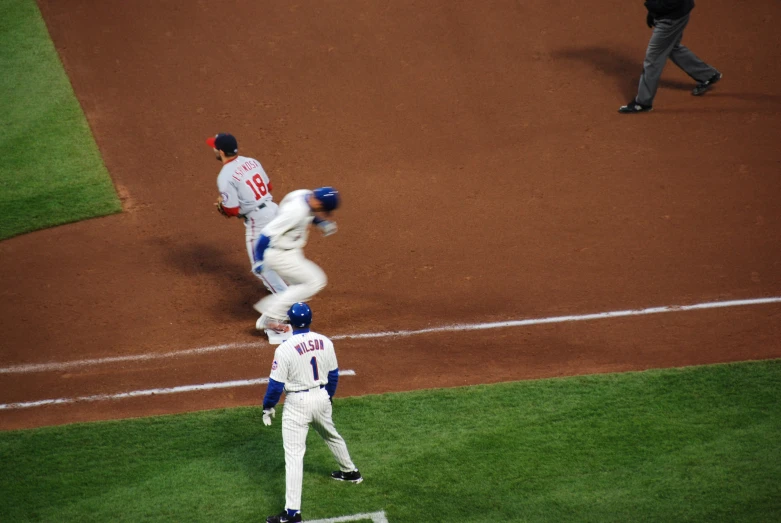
243,183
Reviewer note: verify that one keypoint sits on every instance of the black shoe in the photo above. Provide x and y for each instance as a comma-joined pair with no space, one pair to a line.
282,517
354,476
706,85
634,107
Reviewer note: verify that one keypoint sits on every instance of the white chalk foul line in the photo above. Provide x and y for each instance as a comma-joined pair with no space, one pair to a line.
147,392
44,367
376,517
55,366
560,319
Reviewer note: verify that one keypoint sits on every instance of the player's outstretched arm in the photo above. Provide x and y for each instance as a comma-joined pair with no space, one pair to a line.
328,227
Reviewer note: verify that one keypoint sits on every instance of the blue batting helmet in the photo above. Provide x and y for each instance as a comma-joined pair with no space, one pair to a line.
300,315
328,197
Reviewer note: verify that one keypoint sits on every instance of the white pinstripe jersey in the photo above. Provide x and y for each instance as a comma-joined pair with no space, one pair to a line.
304,361
290,227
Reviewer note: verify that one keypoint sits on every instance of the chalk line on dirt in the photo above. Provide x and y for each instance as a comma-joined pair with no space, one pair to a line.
55,366
60,366
147,392
561,319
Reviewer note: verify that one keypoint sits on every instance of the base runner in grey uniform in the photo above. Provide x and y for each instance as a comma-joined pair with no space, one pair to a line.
668,18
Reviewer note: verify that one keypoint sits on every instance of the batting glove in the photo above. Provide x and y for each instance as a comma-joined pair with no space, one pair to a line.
267,415
257,267
328,227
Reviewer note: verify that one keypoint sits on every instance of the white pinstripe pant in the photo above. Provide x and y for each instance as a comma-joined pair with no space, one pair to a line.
254,223
306,279
301,409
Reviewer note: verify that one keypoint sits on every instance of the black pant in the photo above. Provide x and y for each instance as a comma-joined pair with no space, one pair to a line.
666,43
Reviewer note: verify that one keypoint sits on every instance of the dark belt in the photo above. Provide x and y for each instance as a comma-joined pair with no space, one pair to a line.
307,390
259,207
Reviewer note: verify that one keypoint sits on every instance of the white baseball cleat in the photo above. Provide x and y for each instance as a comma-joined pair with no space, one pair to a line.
266,322
276,330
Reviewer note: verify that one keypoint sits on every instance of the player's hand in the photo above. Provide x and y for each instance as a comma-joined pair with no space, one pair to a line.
221,209
257,267
267,415
328,227
649,20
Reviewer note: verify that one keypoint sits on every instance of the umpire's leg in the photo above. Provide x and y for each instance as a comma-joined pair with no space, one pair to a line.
666,36
691,65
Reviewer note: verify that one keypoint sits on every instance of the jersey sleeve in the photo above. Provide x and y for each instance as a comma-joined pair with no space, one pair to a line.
230,197
331,362
279,368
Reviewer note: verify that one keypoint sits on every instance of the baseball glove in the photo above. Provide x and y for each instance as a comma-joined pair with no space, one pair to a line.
221,209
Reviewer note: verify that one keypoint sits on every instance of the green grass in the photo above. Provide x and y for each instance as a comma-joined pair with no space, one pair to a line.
50,172
695,444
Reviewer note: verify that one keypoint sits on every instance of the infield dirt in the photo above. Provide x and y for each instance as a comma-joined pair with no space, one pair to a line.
485,173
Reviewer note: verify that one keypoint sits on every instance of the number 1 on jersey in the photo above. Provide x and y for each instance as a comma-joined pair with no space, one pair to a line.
313,362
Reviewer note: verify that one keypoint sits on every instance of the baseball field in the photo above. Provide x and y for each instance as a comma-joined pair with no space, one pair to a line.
543,310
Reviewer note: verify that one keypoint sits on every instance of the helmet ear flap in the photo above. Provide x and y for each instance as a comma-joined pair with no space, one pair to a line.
299,315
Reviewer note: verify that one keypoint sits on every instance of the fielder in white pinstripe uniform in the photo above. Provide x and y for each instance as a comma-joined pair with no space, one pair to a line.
305,367
245,192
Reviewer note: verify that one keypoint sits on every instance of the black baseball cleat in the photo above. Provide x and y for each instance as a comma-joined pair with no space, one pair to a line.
703,87
353,477
282,517
634,107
